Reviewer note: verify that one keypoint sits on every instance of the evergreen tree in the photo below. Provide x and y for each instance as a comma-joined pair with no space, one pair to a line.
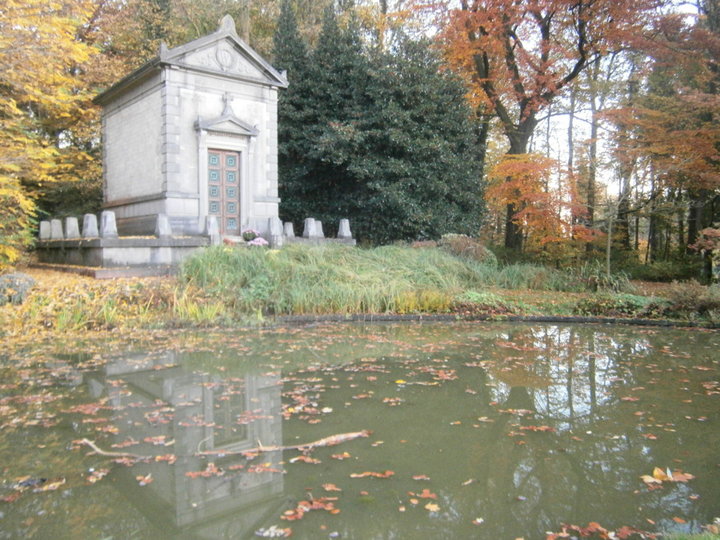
384,139
291,55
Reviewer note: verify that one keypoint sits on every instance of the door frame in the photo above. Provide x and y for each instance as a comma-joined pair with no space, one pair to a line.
241,144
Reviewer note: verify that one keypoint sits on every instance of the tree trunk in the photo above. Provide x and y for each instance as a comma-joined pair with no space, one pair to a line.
519,139
244,26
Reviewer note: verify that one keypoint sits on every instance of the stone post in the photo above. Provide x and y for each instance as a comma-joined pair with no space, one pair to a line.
212,229
309,231
108,226
72,228
344,230
319,230
44,230
162,226
90,226
56,232
288,229
275,231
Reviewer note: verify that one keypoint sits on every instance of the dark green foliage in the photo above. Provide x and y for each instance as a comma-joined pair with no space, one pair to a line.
617,305
666,271
382,138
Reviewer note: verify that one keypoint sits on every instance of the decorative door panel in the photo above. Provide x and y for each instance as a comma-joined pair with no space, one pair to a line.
224,189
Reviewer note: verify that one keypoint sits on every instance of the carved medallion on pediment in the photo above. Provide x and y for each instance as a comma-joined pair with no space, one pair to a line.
224,58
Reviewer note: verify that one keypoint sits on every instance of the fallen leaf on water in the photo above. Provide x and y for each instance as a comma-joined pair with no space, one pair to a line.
323,503
421,477
537,428
50,486
432,507
386,474
331,487
305,459
96,475
144,480
679,520
424,494
274,532
659,476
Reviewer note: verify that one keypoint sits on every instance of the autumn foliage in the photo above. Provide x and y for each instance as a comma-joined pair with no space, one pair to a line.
548,216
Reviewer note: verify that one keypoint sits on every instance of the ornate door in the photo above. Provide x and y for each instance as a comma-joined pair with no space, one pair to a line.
224,189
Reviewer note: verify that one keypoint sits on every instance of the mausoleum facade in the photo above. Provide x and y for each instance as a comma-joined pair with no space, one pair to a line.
192,134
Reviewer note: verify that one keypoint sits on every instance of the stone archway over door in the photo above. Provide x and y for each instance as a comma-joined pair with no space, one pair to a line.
224,189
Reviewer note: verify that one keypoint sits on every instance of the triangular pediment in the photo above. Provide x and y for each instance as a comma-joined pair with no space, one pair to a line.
227,123
223,52
222,57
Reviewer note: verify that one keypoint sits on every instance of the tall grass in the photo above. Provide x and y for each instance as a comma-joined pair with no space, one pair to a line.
341,279
330,279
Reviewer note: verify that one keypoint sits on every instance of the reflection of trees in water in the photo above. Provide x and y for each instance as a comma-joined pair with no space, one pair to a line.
598,449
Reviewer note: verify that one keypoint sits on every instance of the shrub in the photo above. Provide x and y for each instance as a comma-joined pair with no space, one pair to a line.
691,297
664,271
462,245
614,305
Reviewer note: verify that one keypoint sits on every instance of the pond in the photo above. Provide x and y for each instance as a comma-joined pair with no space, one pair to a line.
462,430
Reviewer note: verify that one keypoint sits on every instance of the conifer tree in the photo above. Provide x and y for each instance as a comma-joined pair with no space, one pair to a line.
382,138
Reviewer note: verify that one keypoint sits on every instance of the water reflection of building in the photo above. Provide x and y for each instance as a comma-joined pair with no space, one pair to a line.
169,410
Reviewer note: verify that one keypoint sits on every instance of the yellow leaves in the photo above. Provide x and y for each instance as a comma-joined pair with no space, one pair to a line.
659,476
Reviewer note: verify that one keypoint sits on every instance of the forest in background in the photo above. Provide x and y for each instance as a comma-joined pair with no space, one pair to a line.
549,123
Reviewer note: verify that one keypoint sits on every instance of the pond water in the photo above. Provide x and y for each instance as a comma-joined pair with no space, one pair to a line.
497,431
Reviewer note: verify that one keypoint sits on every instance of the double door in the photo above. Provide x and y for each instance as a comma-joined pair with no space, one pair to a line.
224,189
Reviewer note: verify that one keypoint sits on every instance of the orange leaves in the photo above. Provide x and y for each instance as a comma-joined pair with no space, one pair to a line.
323,503
210,470
96,475
595,530
659,476
542,194
537,428
424,494
385,474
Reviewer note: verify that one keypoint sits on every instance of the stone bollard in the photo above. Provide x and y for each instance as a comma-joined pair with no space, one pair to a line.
90,226
344,230
319,230
56,232
309,231
275,231
162,226
72,228
108,226
288,229
44,230
212,229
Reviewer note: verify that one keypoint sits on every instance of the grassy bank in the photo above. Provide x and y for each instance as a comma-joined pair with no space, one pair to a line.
227,286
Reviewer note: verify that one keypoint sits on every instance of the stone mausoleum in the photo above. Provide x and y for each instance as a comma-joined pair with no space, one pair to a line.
190,159
191,134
